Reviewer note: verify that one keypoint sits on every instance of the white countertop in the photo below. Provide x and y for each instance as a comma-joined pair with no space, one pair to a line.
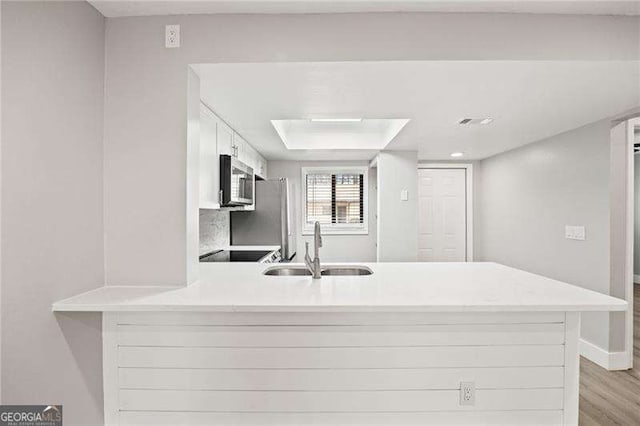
393,287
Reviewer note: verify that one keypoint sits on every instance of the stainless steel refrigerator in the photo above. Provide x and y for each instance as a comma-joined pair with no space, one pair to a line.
273,220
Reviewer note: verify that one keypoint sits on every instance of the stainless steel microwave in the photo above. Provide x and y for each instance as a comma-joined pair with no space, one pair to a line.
236,182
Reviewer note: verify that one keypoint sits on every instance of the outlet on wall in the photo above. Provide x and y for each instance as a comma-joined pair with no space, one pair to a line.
172,36
467,393
574,232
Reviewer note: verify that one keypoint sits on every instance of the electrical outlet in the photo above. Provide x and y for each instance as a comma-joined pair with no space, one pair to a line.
574,232
172,36
467,393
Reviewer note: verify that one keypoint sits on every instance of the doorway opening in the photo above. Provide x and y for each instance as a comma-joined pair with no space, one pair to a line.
625,239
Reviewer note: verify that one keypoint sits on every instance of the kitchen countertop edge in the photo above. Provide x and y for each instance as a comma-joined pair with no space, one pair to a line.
479,287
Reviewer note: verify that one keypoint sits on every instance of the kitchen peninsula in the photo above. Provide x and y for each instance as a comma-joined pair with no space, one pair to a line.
412,343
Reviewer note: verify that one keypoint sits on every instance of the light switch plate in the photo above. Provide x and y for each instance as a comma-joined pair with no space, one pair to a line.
404,195
574,232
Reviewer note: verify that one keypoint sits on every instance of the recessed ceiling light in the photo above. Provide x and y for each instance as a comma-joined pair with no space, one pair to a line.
487,120
457,154
336,120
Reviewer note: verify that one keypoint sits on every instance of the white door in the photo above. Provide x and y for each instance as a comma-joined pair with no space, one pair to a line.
442,222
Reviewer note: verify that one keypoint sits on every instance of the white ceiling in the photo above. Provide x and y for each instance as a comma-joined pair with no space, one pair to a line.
530,100
116,8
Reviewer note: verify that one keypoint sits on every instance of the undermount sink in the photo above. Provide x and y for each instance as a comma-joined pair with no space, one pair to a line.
329,270
286,271
346,270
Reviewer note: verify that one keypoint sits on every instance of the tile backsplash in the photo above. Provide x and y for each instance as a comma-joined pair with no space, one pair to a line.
214,230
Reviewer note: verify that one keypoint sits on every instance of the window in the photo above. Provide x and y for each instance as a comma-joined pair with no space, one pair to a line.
337,198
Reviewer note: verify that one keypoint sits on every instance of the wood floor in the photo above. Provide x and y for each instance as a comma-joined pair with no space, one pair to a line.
612,397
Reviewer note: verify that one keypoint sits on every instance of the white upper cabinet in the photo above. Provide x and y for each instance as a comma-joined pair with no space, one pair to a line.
241,149
209,160
262,167
244,153
250,156
217,138
225,139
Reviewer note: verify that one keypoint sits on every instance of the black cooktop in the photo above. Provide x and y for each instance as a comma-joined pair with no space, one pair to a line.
234,256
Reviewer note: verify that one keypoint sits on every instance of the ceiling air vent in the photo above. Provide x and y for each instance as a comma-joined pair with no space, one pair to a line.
469,121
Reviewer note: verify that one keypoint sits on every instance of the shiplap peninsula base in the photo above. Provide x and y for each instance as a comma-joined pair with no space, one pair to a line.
212,368
255,350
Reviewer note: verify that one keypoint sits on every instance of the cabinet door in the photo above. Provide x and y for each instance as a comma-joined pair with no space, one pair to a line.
241,149
209,160
256,161
225,138
262,168
252,157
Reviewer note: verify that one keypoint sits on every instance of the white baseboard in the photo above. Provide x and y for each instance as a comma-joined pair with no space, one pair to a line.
609,360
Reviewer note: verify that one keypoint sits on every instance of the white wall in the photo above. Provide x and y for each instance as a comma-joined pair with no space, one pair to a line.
52,205
397,219
336,248
145,106
528,195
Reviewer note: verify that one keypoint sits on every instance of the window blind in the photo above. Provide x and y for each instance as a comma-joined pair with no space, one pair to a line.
335,198
319,198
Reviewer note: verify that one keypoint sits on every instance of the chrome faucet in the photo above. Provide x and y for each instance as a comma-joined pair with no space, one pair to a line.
314,265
